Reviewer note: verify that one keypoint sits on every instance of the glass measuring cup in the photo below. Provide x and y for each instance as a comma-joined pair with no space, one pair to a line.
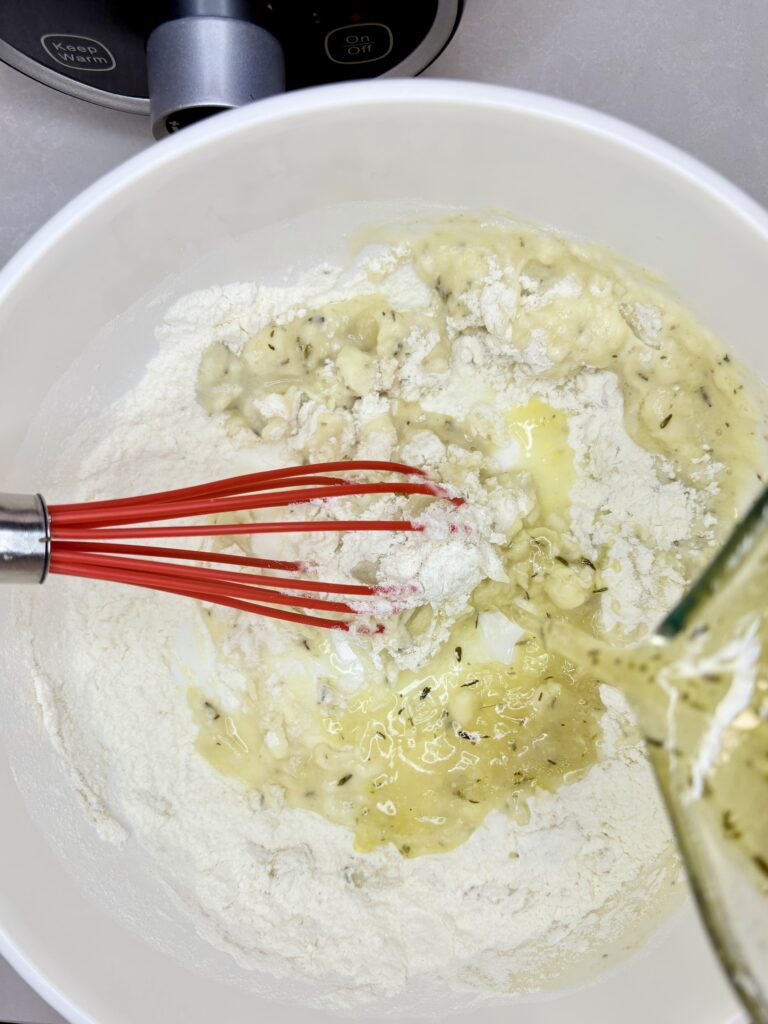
699,689
717,791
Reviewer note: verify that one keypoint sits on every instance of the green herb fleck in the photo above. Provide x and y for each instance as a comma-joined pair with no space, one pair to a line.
215,712
729,826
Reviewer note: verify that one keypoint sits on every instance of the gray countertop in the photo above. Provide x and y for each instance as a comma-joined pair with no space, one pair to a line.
692,71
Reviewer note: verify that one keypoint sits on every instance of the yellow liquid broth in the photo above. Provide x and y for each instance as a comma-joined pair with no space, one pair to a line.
419,758
423,766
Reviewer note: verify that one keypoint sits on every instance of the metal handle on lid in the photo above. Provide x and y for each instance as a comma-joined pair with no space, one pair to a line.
24,538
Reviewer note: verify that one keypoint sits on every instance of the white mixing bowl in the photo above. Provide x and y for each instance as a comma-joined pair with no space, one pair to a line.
241,196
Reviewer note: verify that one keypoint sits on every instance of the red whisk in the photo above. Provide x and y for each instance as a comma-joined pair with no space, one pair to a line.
79,539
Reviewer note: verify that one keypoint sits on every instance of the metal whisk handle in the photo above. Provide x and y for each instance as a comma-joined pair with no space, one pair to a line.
25,546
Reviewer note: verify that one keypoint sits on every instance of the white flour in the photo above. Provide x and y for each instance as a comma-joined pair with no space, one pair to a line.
618,500
285,891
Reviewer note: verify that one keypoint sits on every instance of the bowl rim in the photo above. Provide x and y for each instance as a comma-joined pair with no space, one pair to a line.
382,93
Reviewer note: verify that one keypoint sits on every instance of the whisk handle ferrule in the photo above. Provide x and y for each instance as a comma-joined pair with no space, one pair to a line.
25,542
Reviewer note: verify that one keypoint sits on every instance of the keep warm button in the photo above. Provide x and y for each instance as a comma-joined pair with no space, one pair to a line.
359,44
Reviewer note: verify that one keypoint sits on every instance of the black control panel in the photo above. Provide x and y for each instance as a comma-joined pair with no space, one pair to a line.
101,44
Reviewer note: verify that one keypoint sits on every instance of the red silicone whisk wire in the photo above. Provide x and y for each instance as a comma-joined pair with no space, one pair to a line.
83,539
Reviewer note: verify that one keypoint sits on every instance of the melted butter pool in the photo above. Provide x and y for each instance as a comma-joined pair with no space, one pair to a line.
541,433
422,764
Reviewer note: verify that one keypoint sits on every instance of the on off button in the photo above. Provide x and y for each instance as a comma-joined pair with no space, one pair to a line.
359,44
